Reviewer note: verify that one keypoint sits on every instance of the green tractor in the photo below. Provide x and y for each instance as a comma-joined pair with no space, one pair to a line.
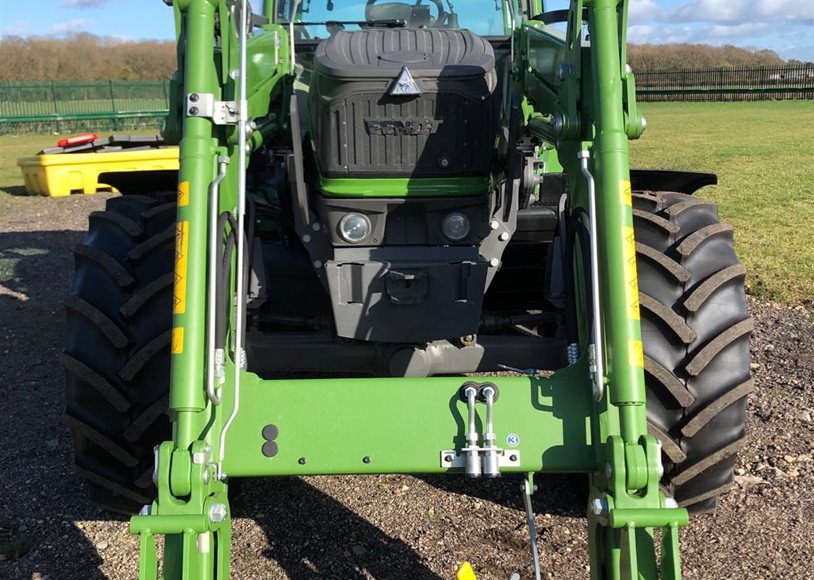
405,238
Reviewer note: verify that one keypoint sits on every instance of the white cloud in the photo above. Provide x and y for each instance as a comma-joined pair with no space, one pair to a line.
659,34
70,26
745,11
644,10
83,3
16,28
747,23
744,30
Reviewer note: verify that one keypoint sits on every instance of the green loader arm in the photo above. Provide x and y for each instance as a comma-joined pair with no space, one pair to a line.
578,96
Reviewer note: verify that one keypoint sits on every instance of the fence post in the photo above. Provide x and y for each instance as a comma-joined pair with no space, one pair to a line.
56,109
113,107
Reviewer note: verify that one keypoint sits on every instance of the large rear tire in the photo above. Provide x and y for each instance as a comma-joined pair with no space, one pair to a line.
116,359
695,331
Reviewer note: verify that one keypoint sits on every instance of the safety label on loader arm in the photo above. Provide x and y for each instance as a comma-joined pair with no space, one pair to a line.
635,354
181,251
626,193
177,343
635,351
183,193
630,277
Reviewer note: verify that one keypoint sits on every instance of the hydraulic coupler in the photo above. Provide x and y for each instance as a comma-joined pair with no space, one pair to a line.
487,458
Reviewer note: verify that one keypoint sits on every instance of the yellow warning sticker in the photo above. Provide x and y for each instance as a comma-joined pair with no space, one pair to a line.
636,354
181,250
631,278
178,340
626,193
183,193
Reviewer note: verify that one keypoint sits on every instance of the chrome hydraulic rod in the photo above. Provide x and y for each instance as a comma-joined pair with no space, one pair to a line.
294,5
598,358
472,451
490,459
215,360
240,297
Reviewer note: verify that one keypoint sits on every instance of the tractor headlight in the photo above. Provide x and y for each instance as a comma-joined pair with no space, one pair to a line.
354,228
455,226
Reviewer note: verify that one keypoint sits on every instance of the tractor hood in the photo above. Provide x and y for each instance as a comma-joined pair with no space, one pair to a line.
404,103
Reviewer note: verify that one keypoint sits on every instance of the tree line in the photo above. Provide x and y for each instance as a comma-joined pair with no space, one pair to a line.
84,57
89,57
645,57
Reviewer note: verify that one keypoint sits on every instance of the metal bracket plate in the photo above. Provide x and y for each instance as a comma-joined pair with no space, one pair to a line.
204,105
453,459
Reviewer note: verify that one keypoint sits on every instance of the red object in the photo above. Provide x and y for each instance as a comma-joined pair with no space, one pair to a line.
78,140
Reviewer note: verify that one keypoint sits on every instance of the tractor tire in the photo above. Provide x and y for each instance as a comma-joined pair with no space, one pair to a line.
117,355
695,334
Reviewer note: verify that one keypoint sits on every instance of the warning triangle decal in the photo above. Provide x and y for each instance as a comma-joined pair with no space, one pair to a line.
405,86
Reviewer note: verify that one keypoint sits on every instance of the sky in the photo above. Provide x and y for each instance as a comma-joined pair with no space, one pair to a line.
784,26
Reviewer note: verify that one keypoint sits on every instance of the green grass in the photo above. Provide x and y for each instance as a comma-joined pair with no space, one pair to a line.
15,146
763,154
11,179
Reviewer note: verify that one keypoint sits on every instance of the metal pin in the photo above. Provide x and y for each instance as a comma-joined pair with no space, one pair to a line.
490,459
527,491
472,451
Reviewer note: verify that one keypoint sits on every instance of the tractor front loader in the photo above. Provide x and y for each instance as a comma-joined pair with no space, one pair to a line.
416,208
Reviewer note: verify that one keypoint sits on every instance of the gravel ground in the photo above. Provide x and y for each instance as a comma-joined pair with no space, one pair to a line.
372,527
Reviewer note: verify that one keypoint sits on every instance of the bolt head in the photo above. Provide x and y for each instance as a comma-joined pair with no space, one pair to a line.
317,264
447,458
194,97
513,457
217,513
494,262
301,460
494,224
366,459
193,111
504,237
316,226
306,238
599,506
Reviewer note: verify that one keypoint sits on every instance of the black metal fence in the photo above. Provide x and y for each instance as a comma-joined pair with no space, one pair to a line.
762,83
117,105
28,107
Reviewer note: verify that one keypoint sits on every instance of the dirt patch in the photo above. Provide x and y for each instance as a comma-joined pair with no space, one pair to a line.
368,527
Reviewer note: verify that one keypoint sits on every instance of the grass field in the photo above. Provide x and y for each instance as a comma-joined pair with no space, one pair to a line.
762,152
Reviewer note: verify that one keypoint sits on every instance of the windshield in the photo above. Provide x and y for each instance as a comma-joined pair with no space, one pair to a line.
318,19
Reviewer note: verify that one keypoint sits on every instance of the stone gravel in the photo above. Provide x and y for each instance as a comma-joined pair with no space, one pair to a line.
398,527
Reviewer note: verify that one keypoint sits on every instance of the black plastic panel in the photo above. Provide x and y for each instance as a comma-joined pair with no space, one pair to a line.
670,180
360,129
